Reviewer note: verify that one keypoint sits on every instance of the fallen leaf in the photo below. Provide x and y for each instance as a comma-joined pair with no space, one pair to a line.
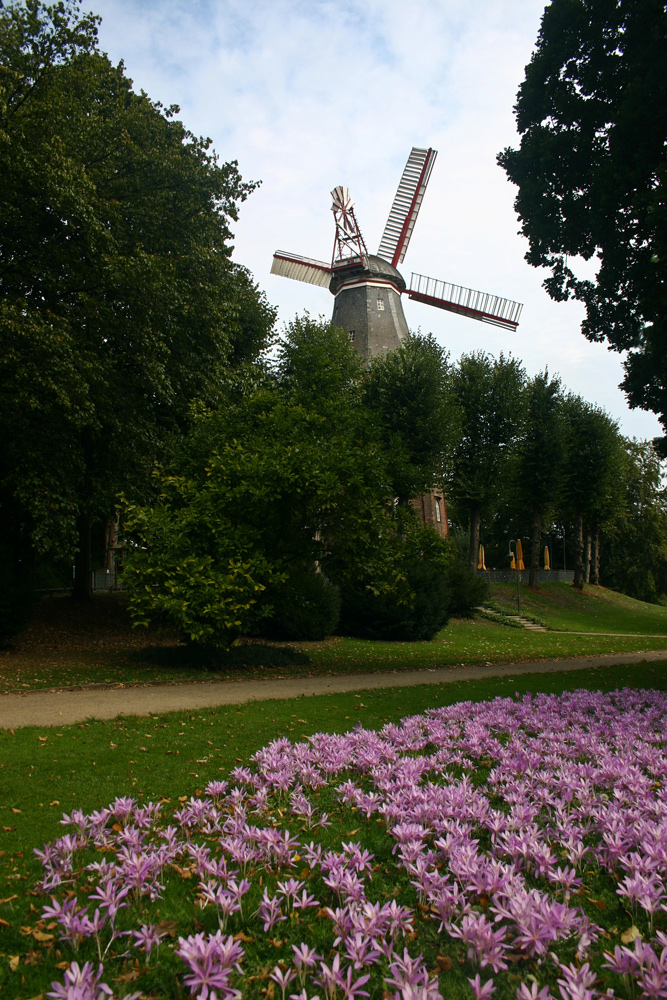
14,962
62,965
183,872
42,739
41,936
444,962
8,829
117,827
599,904
17,811
26,930
168,927
54,803
8,899
243,937
628,937
4,923
127,977
33,958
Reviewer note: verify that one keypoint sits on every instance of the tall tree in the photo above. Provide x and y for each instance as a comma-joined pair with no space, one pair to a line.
408,394
118,300
592,474
488,393
636,557
591,171
540,456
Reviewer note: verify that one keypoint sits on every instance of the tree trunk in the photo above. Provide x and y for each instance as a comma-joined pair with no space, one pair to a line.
475,525
595,557
111,543
587,558
82,582
579,551
535,547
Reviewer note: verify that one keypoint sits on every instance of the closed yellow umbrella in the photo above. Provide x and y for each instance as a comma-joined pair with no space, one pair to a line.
547,560
480,559
519,553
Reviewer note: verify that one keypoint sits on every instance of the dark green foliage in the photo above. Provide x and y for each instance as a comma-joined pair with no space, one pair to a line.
488,393
593,472
16,598
411,602
540,458
468,589
635,550
118,300
408,395
591,169
306,607
279,475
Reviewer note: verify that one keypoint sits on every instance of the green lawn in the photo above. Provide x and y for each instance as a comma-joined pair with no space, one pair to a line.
70,645
560,606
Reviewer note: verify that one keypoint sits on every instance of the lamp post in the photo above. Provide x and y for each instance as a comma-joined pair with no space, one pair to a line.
516,566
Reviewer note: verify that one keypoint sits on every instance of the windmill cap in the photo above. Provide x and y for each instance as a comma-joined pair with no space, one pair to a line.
345,274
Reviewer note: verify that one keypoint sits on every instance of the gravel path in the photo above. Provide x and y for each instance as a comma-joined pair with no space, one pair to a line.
63,707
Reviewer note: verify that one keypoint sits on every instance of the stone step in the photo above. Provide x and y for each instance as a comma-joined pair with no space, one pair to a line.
524,622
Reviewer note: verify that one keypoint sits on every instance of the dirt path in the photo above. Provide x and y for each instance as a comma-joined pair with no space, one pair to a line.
59,708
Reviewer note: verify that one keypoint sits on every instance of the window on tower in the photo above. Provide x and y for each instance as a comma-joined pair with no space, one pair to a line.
380,303
438,515
351,335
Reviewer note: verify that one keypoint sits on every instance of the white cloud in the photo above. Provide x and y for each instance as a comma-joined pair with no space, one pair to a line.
307,94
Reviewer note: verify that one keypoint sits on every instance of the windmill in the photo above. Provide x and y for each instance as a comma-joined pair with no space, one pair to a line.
367,288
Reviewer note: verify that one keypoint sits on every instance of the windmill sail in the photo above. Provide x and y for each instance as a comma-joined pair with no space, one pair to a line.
466,301
407,203
290,265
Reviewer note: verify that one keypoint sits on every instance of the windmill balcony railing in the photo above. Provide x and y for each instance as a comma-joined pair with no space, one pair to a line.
489,308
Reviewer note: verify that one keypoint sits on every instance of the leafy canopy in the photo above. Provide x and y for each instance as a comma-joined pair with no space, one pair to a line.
118,300
591,171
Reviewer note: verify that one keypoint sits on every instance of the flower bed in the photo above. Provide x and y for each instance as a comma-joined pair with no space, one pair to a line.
506,849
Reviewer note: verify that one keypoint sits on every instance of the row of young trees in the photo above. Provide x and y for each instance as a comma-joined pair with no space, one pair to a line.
538,463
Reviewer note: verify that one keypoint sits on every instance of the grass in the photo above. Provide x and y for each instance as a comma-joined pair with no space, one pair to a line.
69,645
561,607
45,772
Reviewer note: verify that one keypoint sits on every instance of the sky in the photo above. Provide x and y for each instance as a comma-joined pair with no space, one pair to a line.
309,94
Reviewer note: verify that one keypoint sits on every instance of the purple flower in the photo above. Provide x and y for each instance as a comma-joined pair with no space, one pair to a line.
482,991
148,937
212,960
82,984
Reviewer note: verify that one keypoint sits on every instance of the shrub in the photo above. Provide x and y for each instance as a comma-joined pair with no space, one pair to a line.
16,600
411,602
306,607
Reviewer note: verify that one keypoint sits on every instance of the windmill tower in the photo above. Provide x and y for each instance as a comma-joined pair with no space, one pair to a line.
367,288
